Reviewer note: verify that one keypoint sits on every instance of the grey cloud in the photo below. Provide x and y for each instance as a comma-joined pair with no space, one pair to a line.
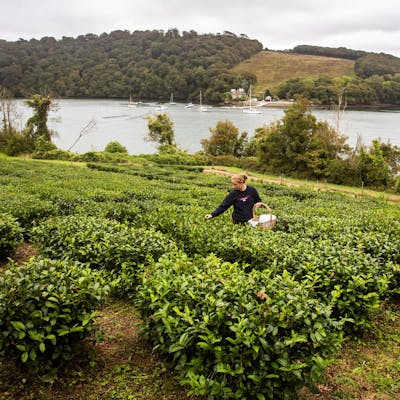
277,24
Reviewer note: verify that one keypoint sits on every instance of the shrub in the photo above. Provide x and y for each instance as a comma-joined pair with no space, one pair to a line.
46,307
10,235
103,244
54,154
397,184
98,156
16,143
27,209
42,145
173,155
115,147
234,335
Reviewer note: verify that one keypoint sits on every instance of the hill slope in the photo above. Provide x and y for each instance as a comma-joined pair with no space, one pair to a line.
273,68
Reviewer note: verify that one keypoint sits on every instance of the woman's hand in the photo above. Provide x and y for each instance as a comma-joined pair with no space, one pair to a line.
208,216
258,205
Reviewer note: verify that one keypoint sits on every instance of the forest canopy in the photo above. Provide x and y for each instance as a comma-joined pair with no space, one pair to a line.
142,64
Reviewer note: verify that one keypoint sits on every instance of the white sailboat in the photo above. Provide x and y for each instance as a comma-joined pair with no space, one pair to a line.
171,100
131,103
161,107
251,110
201,107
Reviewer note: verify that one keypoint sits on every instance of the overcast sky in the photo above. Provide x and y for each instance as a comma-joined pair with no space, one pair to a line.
369,25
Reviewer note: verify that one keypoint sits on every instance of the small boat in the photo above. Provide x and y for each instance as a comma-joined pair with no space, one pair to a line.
201,107
251,110
171,100
189,105
131,103
161,107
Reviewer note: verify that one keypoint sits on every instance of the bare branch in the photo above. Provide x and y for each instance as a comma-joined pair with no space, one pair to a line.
84,131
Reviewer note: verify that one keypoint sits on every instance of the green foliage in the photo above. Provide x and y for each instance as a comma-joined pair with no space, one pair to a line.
147,64
397,184
235,335
301,146
27,209
377,64
36,125
115,147
225,140
339,52
303,247
47,307
169,154
297,143
377,78
14,143
42,144
46,150
356,91
161,130
373,169
101,156
101,243
55,154
322,273
10,235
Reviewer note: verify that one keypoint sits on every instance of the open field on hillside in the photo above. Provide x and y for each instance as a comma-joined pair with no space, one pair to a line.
272,68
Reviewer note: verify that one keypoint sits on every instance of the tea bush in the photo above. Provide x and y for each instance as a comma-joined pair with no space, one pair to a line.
337,266
103,244
236,335
10,235
28,210
46,307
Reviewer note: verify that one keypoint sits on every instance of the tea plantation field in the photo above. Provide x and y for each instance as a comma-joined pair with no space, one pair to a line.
238,313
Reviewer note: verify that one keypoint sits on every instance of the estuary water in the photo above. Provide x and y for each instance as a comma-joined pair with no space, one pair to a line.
115,121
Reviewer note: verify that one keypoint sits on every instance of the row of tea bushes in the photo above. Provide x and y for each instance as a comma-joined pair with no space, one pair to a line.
236,335
46,308
102,244
33,191
337,266
10,235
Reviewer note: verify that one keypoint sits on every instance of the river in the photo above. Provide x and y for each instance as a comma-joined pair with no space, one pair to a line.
114,121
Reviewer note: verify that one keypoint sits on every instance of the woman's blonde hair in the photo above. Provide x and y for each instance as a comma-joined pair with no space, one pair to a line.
239,178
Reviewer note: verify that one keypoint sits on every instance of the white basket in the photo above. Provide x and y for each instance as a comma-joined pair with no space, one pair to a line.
263,221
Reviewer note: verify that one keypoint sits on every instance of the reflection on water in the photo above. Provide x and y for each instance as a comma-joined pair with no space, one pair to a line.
116,122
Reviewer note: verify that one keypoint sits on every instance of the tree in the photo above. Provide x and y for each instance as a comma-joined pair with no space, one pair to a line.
373,169
7,110
326,145
285,142
298,143
391,154
12,142
36,126
225,140
161,130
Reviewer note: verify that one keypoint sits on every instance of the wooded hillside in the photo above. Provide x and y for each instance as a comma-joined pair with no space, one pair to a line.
144,64
150,65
